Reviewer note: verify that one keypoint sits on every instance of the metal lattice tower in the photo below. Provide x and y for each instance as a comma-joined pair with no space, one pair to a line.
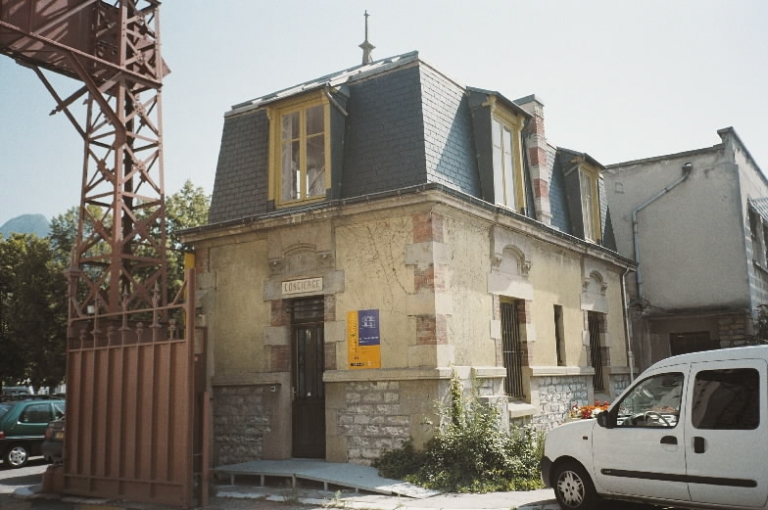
112,50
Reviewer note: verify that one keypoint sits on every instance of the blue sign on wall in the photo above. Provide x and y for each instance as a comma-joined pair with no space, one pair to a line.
368,327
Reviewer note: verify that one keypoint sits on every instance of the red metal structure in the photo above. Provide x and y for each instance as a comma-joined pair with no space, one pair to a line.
130,354
113,50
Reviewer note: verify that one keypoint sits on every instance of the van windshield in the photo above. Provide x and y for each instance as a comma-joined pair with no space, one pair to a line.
4,408
654,402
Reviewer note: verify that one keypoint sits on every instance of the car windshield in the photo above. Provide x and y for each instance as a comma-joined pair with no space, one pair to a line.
653,402
4,408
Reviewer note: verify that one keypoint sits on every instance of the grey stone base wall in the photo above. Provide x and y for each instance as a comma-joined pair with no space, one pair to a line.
556,396
619,383
240,420
372,420
734,331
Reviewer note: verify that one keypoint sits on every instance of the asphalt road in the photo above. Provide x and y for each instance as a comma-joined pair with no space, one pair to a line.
12,479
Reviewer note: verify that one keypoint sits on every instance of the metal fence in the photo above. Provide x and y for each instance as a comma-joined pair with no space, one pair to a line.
131,405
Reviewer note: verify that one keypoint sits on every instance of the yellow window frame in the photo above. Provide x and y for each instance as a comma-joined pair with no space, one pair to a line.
589,177
514,123
275,114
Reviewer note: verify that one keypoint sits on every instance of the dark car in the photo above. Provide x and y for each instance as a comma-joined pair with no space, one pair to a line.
53,445
22,428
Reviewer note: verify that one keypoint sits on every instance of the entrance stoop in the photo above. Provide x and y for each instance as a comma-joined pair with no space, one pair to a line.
353,476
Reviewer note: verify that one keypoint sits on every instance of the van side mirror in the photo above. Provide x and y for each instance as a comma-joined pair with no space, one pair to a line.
604,420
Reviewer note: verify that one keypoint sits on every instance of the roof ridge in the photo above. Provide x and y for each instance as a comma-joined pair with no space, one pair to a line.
337,77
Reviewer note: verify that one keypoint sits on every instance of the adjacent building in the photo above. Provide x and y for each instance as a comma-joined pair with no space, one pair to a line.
696,223
376,230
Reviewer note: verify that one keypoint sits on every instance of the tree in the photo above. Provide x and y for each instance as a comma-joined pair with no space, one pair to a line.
63,234
33,288
33,293
12,361
187,208
760,326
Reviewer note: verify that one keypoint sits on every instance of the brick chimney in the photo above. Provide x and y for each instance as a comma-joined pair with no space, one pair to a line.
536,143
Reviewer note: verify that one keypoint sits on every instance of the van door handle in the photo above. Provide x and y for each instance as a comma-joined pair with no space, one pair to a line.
699,445
668,440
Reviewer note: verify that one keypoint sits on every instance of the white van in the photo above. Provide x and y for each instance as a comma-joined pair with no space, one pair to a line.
691,431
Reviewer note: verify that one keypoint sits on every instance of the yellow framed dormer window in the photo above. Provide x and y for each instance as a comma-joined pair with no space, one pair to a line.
589,178
300,156
508,174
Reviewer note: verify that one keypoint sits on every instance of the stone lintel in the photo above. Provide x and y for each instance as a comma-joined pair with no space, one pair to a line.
553,371
251,379
409,374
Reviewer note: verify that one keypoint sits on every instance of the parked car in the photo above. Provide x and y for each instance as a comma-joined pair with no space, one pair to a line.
53,445
22,428
689,432
15,393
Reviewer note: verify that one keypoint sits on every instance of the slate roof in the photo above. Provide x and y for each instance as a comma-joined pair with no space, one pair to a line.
396,124
330,80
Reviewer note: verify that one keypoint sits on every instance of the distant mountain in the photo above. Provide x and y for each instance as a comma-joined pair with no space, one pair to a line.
26,224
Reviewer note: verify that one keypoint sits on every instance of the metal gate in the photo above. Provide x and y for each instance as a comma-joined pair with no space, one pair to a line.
513,349
130,405
596,350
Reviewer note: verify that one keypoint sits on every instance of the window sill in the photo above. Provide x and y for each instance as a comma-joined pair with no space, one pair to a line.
519,409
760,266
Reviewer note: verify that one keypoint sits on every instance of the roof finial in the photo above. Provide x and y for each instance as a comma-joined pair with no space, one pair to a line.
367,46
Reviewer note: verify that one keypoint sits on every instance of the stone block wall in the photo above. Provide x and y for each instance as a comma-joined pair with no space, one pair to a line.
734,330
240,420
372,420
619,383
556,395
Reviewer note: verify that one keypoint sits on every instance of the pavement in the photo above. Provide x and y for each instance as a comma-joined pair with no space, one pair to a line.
299,484
358,487
265,497
543,499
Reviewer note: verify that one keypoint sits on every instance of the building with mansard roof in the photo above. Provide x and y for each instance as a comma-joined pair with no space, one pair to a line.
378,229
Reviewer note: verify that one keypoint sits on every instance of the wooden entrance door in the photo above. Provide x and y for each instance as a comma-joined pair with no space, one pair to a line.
308,363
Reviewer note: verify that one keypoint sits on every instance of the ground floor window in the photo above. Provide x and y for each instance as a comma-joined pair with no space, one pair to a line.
559,340
597,351
512,346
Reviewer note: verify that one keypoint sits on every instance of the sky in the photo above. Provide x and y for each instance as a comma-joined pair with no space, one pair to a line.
619,80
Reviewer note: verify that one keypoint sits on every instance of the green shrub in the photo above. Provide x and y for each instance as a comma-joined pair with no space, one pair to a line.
470,452
399,463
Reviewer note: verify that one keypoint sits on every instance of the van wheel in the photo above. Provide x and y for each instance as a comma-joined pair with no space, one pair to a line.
16,456
573,487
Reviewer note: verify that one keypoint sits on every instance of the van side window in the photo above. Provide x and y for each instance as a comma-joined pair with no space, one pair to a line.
654,402
726,399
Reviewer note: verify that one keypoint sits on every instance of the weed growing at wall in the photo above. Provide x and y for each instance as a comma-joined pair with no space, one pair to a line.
470,451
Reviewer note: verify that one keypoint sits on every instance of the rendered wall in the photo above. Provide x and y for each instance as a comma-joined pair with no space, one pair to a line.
691,239
752,186
436,271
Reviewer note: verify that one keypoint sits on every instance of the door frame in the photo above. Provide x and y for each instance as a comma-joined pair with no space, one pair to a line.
307,395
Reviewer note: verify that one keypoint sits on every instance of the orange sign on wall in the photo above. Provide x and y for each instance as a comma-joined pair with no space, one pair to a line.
363,339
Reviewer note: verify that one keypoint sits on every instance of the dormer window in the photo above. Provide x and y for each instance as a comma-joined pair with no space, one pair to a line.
508,176
590,202
497,125
300,169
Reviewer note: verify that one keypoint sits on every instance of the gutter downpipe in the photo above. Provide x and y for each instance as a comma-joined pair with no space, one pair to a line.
628,325
687,167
